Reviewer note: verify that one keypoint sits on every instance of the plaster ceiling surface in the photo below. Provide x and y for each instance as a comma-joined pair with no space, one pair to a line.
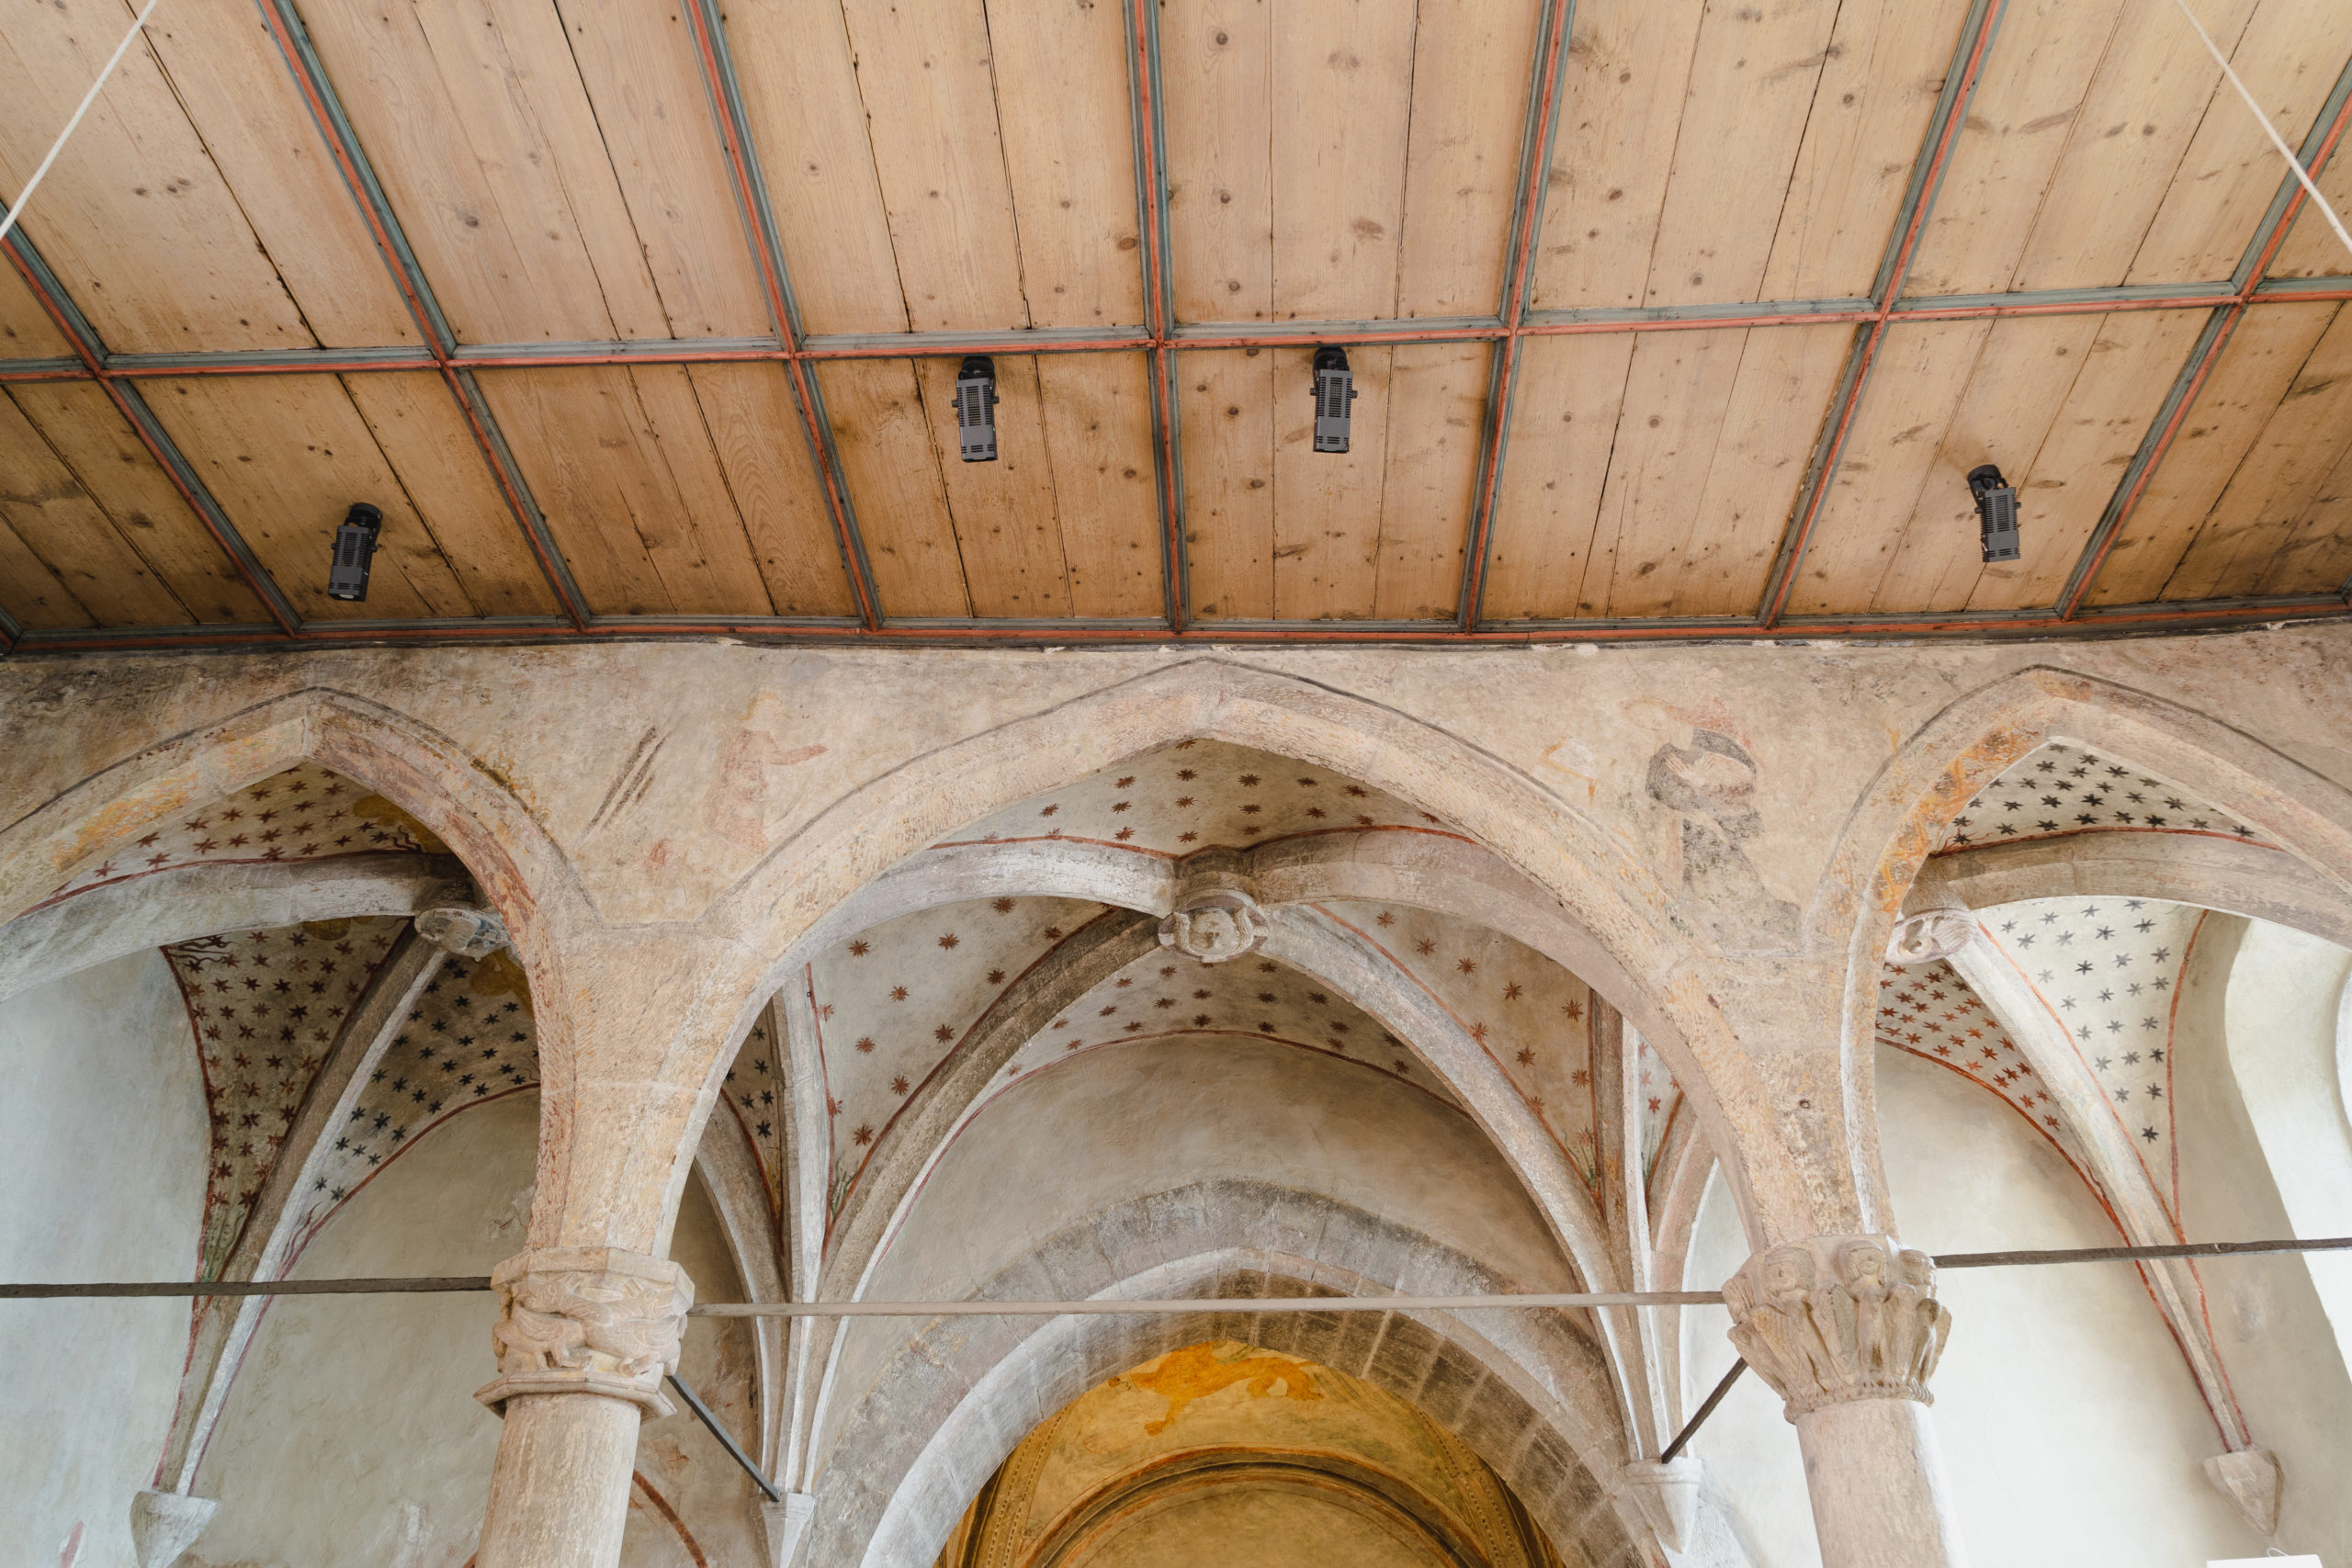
1664,315
1201,795
1930,1012
305,813
2109,972
2059,790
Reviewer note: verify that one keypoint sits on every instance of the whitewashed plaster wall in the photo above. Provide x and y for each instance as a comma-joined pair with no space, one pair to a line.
102,1160
1108,1126
2070,1427
2273,992
352,1438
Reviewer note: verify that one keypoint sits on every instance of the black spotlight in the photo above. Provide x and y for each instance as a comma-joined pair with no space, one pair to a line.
355,549
1996,512
1335,389
975,409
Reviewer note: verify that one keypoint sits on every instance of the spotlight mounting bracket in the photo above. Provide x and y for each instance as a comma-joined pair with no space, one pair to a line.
1996,512
353,552
976,408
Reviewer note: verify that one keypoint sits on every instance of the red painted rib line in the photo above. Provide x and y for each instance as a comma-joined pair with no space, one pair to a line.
2087,575
1175,592
842,532
1784,583
1514,322
516,507
55,373
1171,533
2295,200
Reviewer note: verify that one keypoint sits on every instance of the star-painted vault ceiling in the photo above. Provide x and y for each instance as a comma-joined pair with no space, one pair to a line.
2058,790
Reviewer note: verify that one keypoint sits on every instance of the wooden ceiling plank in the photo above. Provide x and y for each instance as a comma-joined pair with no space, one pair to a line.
1915,390
1226,403
1098,427
134,184
1870,112
1628,68
1061,95
478,127
2289,54
1006,515
2134,359
756,432
2238,398
1328,504
931,115
2035,78
883,432
2311,249
642,72
26,329
1217,77
285,455
800,95
50,512
569,434
700,545
1463,154
1437,415
30,592
1343,96
84,427
227,71
2319,547
1782,397
1754,76
2279,481
418,427
1564,420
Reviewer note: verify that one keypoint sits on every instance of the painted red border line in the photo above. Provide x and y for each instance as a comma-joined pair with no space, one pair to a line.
1175,595
1784,583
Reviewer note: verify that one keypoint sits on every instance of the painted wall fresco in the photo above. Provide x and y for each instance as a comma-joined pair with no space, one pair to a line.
2059,790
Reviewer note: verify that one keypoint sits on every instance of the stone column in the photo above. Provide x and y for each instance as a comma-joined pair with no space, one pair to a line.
585,1335
1847,1329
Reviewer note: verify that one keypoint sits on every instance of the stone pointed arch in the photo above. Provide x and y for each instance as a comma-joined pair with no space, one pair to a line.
1630,943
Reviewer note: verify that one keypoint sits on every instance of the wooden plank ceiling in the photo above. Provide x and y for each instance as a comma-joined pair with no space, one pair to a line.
1668,318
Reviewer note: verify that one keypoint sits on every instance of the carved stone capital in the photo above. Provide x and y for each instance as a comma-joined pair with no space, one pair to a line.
467,933
1837,1318
1215,927
587,1320
1930,934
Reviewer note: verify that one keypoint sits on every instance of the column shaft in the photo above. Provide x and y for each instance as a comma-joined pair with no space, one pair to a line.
1880,1499
554,1500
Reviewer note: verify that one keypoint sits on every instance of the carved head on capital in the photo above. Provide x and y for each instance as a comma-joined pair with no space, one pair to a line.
1220,927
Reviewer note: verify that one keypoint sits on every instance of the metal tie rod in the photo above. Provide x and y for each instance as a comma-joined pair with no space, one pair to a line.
447,1283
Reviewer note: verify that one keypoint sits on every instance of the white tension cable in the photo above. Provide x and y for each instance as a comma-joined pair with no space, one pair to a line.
2302,175
88,98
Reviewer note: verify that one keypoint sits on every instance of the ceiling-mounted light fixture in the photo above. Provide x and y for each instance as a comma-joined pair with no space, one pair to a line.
355,549
976,408
1335,389
1996,512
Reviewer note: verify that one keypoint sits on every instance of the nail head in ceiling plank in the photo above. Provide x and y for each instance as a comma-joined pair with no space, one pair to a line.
1462,163
2290,55
1216,62
285,455
477,125
1570,393
1003,513
1872,105
1098,428
2010,143
81,424
755,427
1343,102
1226,397
931,113
1327,506
884,436
1436,415
642,70
134,184
622,461
800,97
2239,398
53,519
2259,532
422,435
230,79
1061,99
1749,402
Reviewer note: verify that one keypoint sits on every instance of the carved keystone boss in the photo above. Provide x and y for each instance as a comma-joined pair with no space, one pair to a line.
587,1320
1215,927
1837,1318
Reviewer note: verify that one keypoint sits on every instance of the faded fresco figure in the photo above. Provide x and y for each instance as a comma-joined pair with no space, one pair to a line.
1711,783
